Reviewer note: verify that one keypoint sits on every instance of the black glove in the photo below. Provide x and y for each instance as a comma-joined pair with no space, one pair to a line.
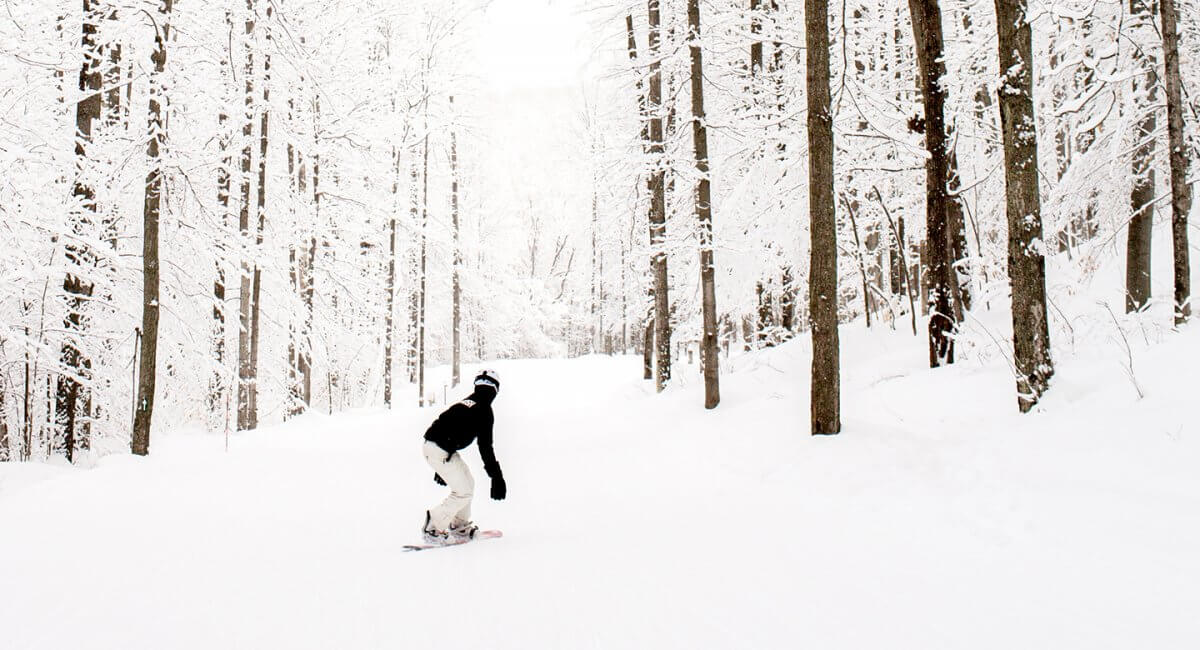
499,489
437,478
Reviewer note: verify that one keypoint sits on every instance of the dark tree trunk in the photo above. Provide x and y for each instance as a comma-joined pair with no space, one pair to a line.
112,78
960,274
72,395
648,337
1137,260
648,350
658,214
246,418
263,136
762,335
217,386
1026,263
709,357
1181,199
5,442
927,33
147,372
823,280
307,269
787,302
756,46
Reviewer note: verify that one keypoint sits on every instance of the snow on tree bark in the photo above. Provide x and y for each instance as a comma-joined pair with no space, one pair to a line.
709,357
927,33
1181,198
1141,198
455,284
71,418
151,213
658,210
1026,246
246,417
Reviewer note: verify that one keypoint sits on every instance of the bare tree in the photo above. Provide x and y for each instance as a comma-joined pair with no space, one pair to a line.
658,210
422,280
1137,260
927,33
6,443
456,287
756,45
709,356
72,395
1026,260
217,388
263,141
414,297
643,117
823,279
390,287
247,418
1181,199
147,372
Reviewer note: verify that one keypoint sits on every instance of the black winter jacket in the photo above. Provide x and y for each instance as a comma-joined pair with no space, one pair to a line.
458,426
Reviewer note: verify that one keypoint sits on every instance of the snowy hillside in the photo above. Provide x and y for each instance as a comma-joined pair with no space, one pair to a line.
938,519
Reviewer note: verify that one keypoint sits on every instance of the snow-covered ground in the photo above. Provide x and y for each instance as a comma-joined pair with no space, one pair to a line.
940,518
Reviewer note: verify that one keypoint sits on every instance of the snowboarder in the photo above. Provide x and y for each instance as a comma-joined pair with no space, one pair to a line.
454,430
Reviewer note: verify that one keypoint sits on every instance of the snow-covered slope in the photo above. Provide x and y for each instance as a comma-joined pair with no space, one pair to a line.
940,518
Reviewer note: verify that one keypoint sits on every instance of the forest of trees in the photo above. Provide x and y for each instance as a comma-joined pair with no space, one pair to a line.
230,212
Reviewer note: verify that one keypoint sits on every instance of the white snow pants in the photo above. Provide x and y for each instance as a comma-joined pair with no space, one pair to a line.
456,509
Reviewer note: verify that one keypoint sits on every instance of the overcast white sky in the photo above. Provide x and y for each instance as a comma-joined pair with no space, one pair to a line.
527,44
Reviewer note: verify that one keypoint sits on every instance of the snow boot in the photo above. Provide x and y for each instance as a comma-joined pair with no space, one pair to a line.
432,535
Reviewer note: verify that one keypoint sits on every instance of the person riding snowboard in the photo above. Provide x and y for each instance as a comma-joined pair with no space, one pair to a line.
454,430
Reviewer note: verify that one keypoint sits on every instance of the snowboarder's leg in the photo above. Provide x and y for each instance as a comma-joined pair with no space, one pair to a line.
456,508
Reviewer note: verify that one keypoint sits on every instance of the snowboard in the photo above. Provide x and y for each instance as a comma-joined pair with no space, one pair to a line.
483,534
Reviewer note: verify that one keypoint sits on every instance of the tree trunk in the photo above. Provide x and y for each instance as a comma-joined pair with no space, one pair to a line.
787,302
264,132
455,286
960,272
756,46
1026,263
216,391
648,350
658,214
112,75
762,336
643,117
307,270
390,288
1181,199
5,442
927,33
246,417
148,369
414,299
709,357
823,280
424,261
1137,260
71,396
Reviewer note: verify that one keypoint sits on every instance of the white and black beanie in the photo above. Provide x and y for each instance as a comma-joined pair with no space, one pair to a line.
488,378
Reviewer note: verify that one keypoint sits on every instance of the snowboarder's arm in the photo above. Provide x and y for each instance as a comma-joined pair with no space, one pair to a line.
487,452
